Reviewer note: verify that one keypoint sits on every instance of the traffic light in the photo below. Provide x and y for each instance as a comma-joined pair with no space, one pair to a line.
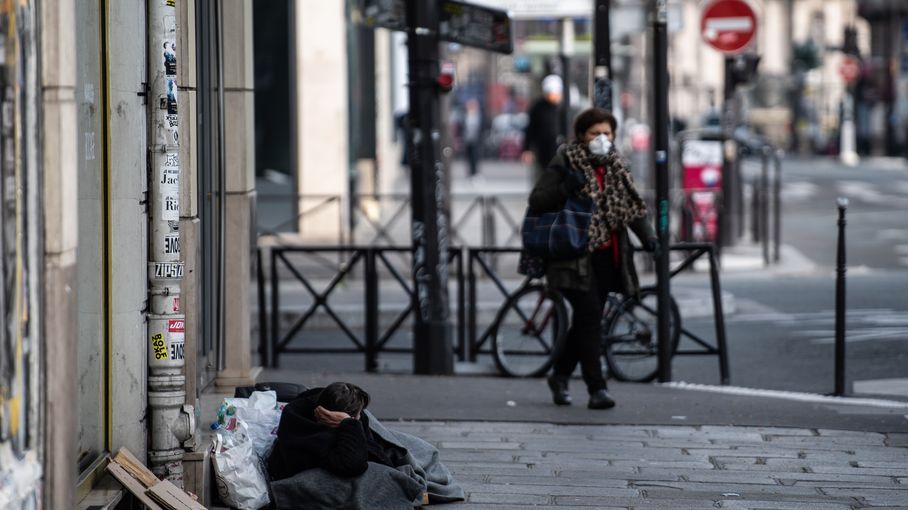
744,68
850,41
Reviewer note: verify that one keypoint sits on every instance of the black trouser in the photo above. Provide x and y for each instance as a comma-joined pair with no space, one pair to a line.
583,343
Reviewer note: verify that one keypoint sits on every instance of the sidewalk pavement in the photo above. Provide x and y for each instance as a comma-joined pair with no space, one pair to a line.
664,446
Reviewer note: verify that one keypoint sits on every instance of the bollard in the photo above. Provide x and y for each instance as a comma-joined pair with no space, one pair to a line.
764,203
777,209
840,303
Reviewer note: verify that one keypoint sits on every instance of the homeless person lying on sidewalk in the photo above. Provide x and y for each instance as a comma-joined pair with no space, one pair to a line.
330,453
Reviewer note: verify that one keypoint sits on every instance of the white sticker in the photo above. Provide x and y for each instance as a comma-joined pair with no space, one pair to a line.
168,269
172,244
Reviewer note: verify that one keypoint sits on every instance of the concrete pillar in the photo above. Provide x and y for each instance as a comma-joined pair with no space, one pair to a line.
239,132
128,227
321,117
59,154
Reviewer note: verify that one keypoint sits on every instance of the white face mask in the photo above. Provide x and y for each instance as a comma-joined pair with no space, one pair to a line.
600,145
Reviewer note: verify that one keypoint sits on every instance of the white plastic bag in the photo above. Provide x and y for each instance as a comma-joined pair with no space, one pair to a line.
261,415
237,471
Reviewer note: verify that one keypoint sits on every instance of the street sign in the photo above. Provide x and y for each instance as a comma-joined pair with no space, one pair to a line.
849,69
728,25
474,25
461,22
534,9
390,14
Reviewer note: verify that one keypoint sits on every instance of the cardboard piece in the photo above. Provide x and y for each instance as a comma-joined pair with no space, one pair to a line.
172,497
153,493
132,485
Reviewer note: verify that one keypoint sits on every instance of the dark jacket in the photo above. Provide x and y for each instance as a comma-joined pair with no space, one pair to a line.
542,131
302,443
549,195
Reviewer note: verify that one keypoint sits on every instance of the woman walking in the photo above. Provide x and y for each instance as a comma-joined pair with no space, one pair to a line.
589,167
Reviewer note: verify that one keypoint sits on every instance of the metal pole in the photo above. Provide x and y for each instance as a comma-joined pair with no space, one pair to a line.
660,153
602,56
567,49
171,421
371,298
777,208
432,348
764,204
840,302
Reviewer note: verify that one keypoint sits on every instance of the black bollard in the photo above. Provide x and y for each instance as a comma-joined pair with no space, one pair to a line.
840,303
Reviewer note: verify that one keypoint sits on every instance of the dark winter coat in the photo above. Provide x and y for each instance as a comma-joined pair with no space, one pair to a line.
549,195
542,133
303,443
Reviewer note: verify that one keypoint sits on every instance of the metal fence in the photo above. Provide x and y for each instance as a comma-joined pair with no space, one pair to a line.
376,270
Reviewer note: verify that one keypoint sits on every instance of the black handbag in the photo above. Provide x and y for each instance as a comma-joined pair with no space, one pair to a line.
561,234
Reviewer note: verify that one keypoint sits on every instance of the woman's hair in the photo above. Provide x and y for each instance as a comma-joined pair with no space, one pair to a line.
592,116
345,397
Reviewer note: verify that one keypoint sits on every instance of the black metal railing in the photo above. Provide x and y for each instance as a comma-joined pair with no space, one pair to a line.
379,269
374,263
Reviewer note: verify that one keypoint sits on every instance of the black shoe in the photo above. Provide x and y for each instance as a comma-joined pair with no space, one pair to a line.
600,399
559,387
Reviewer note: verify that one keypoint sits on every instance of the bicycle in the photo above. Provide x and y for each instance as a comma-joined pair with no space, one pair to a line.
530,329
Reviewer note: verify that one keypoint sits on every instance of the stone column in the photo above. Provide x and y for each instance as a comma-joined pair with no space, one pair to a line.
58,155
239,142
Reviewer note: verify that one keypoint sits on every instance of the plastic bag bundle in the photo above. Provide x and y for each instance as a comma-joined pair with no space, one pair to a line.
261,415
241,483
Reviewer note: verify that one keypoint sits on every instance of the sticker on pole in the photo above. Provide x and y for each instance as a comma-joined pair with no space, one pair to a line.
176,330
728,25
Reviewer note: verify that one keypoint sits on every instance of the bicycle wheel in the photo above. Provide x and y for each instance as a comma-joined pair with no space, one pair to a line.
529,331
629,337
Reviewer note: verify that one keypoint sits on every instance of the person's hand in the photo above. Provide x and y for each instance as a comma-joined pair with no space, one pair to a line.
330,418
527,157
651,244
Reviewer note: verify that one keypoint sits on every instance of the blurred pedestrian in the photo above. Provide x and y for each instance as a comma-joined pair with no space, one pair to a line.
589,167
471,134
542,135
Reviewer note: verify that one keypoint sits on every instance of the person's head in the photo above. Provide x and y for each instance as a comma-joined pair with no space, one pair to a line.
345,397
471,104
594,122
552,88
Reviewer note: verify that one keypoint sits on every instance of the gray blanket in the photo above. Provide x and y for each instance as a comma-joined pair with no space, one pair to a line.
380,487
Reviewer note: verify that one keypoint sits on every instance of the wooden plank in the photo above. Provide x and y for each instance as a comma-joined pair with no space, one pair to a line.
137,469
172,497
132,485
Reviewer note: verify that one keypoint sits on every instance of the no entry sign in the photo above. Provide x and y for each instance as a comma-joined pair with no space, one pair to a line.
728,25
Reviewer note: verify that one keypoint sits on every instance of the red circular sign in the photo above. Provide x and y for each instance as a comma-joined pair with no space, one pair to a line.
728,25
849,69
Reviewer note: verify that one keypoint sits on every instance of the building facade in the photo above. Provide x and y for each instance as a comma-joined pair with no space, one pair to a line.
127,203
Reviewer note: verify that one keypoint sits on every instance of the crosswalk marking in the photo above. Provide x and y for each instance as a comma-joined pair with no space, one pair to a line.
869,324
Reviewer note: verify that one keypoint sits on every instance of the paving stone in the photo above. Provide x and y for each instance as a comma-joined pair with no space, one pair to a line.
470,445
786,453
635,503
553,490
496,498
849,433
751,504
719,476
829,442
872,497
716,489
835,477
590,481
896,440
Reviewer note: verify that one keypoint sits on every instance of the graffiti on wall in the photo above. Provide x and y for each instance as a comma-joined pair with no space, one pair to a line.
15,348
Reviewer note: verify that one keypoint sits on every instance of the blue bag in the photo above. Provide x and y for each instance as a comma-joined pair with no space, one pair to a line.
561,234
